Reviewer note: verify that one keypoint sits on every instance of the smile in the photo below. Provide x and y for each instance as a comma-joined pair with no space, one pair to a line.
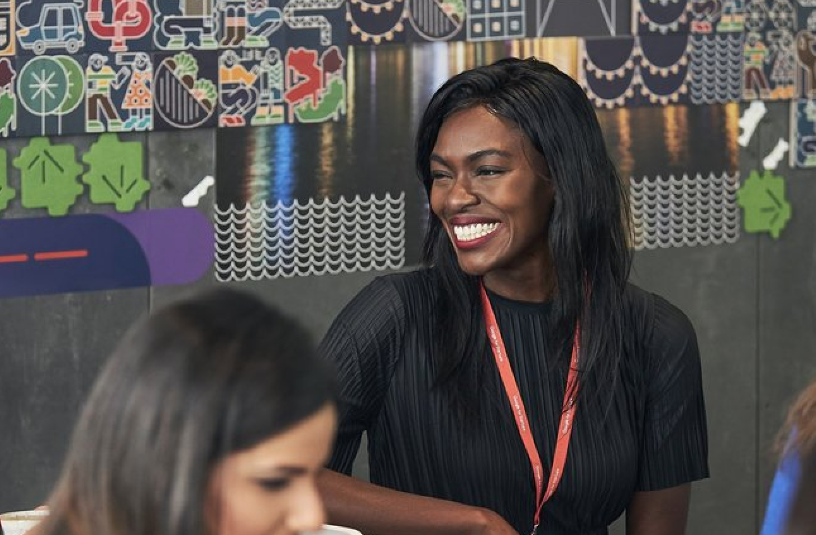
470,233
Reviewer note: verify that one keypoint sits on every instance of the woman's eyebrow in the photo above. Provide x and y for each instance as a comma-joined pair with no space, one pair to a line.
285,470
439,159
488,152
478,155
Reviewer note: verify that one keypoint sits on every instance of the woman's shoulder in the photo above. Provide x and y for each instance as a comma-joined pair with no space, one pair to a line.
656,319
394,296
414,288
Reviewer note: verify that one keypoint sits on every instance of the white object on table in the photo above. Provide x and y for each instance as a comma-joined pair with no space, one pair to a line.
19,522
334,530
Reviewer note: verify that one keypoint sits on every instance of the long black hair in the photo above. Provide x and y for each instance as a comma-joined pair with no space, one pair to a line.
197,381
588,228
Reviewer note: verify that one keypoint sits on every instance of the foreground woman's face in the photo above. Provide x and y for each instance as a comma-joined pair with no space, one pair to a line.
271,489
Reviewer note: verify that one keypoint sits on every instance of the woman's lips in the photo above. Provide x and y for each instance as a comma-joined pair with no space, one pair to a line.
472,234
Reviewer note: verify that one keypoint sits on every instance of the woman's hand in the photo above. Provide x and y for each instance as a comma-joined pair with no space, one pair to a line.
378,510
659,512
491,523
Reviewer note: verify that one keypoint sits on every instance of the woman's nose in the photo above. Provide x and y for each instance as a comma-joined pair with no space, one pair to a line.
307,513
461,195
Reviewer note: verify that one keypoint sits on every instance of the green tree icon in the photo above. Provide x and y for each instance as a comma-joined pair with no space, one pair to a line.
116,173
48,176
765,208
7,193
51,86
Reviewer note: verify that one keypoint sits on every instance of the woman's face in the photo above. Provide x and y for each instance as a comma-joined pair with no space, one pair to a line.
271,489
490,194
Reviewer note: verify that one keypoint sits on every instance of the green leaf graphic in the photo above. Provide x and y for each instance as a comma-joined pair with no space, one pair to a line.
185,65
48,176
116,173
207,89
765,208
7,193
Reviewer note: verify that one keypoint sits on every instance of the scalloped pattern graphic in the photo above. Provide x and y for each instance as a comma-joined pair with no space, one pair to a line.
270,241
636,70
716,68
686,211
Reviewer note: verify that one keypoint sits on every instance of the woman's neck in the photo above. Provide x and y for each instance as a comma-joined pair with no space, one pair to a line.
534,286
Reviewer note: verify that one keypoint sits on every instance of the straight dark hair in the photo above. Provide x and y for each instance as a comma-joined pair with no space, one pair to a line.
198,380
588,227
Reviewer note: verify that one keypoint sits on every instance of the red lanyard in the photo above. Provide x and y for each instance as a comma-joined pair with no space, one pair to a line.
517,404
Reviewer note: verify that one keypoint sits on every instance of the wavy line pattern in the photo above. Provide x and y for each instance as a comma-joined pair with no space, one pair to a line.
263,241
685,211
716,68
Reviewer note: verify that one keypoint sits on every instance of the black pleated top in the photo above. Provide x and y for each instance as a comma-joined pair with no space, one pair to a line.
653,437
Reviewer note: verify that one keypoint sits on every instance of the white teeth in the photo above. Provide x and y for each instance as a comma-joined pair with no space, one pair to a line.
473,232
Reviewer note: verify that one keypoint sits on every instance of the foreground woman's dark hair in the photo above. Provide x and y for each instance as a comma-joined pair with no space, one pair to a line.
197,381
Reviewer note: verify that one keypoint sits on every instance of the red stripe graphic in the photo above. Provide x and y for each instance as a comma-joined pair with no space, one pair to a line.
61,255
9,259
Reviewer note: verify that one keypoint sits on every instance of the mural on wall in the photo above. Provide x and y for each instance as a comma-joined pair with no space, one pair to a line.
715,70
632,71
269,241
8,24
8,98
140,65
490,20
119,93
185,24
662,17
115,173
52,176
49,176
803,133
247,23
769,63
765,206
594,18
685,211
7,193
186,90
119,25
114,67
378,21
51,95
50,26
103,252
437,20
314,75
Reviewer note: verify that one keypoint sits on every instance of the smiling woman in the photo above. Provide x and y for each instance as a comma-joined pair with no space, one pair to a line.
517,383
213,417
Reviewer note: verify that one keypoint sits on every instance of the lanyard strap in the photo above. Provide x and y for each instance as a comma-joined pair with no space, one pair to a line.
517,404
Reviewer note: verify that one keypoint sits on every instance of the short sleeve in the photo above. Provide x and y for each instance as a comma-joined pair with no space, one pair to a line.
363,344
675,442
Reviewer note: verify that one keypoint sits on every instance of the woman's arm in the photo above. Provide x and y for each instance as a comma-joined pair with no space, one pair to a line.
376,510
659,512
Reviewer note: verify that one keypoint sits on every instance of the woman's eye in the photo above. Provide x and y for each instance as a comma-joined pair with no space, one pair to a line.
274,484
489,171
439,175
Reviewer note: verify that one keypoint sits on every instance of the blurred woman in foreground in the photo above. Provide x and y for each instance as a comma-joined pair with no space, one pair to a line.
211,418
